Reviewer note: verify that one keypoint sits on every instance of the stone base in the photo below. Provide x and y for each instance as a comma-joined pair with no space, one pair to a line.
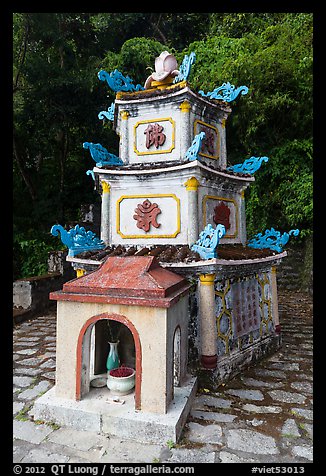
95,413
229,366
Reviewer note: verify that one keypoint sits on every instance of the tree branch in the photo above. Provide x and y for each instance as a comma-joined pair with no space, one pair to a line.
22,56
24,174
157,29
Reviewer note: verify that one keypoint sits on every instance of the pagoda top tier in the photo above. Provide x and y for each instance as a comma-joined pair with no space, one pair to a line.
166,120
160,125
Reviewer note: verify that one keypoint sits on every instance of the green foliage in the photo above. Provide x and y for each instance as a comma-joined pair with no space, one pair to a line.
282,195
275,117
170,444
31,253
136,58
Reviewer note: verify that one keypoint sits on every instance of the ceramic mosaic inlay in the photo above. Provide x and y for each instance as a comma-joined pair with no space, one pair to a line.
265,304
223,316
243,312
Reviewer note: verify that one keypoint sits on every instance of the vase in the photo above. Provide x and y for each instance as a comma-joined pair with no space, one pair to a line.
112,362
121,385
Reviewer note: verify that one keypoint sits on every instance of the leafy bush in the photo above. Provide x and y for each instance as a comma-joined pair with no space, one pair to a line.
31,254
282,195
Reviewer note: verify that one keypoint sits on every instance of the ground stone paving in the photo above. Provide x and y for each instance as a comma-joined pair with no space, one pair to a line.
263,415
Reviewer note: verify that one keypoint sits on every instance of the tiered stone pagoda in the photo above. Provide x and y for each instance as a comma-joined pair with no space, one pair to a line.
170,194
173,179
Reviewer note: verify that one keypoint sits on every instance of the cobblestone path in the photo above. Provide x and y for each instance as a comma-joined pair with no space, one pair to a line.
263,415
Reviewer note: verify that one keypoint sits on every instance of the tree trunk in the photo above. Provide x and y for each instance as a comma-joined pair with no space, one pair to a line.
64,146
20,162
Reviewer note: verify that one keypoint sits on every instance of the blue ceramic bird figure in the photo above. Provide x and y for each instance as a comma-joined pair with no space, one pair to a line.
101,156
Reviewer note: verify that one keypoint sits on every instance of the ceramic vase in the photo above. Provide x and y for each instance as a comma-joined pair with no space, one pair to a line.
112,361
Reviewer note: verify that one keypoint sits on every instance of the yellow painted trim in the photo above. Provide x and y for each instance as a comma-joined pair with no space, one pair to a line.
124,115
106,187
121,94
213,197
161,151
223,122
150,195
192,184
185,106
214,157
162,84
80,272
207,279
242,194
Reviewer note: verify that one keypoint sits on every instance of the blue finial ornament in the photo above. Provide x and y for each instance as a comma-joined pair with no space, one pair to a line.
91,173
249,166
109,114
101,155
206,245
185,68
227,92
193,151
117,82
272,239
78,239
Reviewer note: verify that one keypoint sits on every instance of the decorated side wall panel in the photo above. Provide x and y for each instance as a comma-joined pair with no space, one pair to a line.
243,310
146,215
244,313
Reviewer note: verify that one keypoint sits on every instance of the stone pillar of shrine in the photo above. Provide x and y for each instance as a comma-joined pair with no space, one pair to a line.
105,212
208,330
186,136
275,301
242,219
192,185
124,137
223,157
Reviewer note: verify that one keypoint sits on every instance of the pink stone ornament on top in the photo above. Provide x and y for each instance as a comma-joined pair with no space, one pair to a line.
165,65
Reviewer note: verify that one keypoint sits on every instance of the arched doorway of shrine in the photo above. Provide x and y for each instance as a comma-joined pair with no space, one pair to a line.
92,350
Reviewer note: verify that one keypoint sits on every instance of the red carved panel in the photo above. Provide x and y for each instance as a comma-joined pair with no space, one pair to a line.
146,214
154,135
222,215
208,143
